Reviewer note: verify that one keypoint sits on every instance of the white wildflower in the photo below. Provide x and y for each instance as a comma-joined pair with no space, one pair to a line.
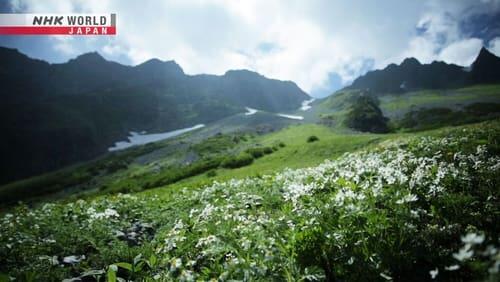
73,259
434,273
175,264
452,267
464,253
407,199
206,241
473,239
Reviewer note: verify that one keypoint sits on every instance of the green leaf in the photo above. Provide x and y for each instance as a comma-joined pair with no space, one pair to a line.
137,259
112,273
152,260
4,277
138,267
93,272
124,265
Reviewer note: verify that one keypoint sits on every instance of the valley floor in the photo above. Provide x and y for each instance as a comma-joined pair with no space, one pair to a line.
404,207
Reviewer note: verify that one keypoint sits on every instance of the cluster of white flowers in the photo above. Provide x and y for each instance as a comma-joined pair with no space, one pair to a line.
175,236
472,243
205,241
107,213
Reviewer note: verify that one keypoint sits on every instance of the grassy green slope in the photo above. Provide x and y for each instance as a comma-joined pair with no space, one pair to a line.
333,109
395,105
138,168
297,152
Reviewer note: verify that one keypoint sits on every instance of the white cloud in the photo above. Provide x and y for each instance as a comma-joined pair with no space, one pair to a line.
64,44
441,38
462,52
494,46
311,38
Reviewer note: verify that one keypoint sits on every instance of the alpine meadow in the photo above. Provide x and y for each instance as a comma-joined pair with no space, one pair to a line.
367,150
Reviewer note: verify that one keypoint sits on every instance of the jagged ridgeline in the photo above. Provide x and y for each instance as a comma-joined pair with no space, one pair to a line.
54,115
412,75
413,96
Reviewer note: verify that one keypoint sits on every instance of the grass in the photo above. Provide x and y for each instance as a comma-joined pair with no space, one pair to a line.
428,118
398,104
297,152
77,176
119,172
455,106
405,207
394,105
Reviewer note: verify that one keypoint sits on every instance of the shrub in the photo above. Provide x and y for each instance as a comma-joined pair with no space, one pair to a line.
312,138
174,174
430,118
255,152
259,151
211,173
240,160
268,150
365,115
115,165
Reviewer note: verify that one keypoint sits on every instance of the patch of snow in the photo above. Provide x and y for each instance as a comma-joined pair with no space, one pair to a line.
291,116
306,104
250,111
140,139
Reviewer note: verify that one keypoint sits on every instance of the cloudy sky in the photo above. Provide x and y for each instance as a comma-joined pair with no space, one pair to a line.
321,45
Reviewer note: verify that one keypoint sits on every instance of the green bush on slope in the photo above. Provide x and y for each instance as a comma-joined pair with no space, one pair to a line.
237,161
428,118
365,115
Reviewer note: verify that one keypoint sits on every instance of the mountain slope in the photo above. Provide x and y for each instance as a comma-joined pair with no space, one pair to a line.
486,68
53,115
415,96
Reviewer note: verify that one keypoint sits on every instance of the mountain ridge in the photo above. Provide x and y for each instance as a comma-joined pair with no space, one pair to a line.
411,75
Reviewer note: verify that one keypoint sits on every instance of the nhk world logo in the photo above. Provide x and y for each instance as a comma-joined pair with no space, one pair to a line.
61,24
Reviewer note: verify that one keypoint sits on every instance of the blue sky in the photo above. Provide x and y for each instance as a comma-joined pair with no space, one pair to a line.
322,45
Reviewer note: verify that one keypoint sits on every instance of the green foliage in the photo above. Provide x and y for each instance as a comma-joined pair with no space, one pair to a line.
258,152
312,138
398,210
69,177
211,173
115,165
217,144
141,173
173,174
240,160
429,118
365,115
